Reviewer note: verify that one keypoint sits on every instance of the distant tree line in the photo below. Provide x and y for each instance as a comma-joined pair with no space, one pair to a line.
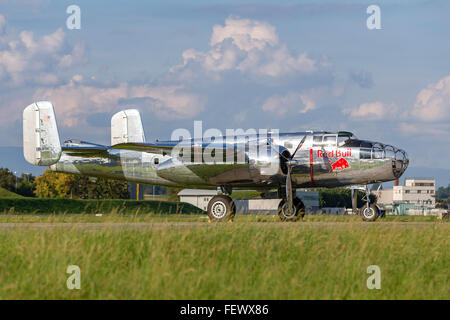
340,197
443,197
62,185
443,192
23,185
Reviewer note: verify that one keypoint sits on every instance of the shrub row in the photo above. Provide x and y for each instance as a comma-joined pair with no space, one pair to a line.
76,206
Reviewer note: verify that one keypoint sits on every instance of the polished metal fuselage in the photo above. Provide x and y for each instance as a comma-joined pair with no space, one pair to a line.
322,162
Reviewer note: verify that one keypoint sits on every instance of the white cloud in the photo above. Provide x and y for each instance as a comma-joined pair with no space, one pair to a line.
246,34
25,59
372,111
292,102
433,102
75,100
247,46
423,132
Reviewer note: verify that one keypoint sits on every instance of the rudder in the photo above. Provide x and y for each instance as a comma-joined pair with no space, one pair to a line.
126,126
41,145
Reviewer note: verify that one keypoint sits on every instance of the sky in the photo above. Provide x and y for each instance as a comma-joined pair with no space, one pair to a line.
287,65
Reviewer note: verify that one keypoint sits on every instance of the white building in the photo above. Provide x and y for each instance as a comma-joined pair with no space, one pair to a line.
197,197
200,199
419,192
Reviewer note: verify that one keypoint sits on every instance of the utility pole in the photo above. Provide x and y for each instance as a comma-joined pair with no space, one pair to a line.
137,191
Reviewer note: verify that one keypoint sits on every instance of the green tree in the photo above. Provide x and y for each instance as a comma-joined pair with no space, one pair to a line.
7,179
172,193
63,185
340,197
443,192
23,185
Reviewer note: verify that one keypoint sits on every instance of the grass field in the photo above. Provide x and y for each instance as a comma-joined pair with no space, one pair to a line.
254,257
8,194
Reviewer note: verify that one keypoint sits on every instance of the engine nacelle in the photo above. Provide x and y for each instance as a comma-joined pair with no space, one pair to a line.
265,164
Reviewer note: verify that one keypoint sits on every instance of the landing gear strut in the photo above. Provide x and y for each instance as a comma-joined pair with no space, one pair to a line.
369,211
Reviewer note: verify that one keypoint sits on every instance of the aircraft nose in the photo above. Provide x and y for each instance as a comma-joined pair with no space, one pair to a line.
400,162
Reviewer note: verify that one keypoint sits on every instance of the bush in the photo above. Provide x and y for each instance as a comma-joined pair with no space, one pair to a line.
76,206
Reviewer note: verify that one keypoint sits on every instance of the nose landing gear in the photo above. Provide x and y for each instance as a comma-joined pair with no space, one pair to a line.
369,211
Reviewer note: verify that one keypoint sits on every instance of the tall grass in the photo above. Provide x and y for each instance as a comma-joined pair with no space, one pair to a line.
227,261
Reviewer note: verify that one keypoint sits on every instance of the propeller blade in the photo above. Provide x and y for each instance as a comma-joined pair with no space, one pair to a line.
299,146
289,199
327,160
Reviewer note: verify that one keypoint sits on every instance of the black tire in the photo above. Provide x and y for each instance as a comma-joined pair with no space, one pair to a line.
299,211
221,208
370,214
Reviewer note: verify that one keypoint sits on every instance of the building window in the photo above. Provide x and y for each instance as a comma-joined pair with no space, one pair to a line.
406,191
419,191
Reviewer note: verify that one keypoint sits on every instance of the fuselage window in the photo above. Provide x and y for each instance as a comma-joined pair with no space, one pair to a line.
377,151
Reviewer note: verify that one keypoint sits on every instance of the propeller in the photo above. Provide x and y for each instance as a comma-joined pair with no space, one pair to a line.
290,163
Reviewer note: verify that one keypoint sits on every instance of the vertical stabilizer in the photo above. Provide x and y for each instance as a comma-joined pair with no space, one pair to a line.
126,126
41,144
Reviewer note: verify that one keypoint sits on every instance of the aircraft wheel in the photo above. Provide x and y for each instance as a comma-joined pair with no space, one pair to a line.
299,212
221,208
369,214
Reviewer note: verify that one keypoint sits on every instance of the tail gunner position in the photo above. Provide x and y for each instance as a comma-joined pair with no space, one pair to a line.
284,161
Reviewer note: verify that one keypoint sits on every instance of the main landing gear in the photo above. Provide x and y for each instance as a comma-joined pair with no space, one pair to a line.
221,208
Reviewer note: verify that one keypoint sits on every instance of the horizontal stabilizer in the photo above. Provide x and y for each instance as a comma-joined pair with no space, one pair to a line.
84,149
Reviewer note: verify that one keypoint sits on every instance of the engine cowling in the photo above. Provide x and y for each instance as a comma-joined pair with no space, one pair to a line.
266,164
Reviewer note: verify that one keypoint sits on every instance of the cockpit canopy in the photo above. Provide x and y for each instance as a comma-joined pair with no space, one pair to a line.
333,139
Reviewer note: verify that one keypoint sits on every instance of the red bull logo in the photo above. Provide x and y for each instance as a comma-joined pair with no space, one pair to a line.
341,164
335,153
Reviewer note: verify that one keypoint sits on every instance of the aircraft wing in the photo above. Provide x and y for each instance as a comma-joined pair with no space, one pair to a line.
166,147
160,148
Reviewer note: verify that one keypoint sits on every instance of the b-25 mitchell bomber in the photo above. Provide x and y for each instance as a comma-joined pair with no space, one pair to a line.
267,161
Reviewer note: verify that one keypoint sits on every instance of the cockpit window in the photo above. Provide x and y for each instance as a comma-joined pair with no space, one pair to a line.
342,139
329,140
366,144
